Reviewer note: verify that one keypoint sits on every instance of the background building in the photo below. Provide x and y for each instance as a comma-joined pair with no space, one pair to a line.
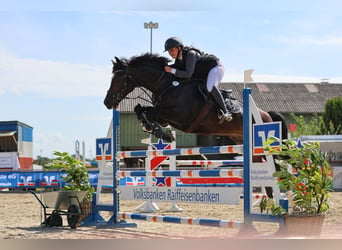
16,145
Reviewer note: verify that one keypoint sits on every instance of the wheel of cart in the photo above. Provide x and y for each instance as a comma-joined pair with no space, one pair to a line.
58,203
73,215
54,219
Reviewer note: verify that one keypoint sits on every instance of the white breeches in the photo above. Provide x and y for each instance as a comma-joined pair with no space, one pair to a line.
215,76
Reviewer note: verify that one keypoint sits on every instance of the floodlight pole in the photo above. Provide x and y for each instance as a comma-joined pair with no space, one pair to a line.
151,25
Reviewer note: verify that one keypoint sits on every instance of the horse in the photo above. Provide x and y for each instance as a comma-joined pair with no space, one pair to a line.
181,103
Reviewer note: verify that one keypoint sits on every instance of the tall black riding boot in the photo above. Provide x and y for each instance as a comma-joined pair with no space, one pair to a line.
224,115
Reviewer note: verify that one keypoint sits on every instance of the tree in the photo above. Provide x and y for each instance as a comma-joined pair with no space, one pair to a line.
41,160
329,123
332,116
306,127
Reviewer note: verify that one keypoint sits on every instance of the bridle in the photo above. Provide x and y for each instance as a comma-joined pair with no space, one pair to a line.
119,97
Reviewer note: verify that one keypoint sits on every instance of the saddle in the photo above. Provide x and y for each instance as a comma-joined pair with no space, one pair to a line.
231,103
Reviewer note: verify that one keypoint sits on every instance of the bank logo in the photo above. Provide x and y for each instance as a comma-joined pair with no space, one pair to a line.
263,131
26,181
103,149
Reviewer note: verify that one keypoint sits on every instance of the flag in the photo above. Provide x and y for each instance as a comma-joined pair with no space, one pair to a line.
247,75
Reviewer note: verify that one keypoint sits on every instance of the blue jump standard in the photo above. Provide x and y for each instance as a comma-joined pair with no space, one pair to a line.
95,219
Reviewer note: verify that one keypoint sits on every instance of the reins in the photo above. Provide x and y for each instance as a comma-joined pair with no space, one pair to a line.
144,89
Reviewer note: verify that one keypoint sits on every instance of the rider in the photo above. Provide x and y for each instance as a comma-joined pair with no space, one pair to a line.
192,63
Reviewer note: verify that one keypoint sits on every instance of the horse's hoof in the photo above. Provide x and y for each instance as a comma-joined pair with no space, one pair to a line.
167,139
168,136
158,132
138,108
146,128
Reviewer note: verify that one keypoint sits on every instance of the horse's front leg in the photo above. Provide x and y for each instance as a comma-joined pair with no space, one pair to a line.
140,111
153,114
151,126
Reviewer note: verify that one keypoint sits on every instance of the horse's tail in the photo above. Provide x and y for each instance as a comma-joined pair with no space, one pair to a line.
277,117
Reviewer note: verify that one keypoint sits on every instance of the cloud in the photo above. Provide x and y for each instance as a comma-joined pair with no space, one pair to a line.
52,79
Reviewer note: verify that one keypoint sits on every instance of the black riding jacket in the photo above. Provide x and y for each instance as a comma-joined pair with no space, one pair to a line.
194,64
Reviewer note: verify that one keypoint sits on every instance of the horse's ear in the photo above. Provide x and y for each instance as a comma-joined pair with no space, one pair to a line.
117,60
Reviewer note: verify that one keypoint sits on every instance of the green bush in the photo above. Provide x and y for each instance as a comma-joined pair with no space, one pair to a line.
304,173
76,174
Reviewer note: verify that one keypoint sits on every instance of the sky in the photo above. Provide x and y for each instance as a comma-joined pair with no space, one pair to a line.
55,56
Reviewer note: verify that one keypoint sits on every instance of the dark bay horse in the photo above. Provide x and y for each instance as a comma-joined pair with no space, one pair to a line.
176,102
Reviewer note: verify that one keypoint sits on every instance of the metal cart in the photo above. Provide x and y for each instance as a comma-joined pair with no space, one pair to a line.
58,203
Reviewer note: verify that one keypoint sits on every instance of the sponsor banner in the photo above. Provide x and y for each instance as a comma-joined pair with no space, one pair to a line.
212,195
38,179
8,180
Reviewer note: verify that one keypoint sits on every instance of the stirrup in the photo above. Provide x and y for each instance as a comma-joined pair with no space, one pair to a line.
225,116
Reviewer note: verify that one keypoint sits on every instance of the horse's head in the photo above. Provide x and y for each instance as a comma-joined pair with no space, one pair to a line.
121,84
140,71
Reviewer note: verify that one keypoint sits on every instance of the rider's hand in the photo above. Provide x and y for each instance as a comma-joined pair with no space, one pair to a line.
168,69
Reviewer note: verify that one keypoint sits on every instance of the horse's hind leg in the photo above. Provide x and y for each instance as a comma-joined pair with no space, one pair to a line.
265,116
276,117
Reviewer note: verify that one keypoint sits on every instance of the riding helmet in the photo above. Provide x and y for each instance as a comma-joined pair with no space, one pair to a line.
172,42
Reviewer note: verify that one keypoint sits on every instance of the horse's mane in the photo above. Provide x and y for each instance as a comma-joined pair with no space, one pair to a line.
148,58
